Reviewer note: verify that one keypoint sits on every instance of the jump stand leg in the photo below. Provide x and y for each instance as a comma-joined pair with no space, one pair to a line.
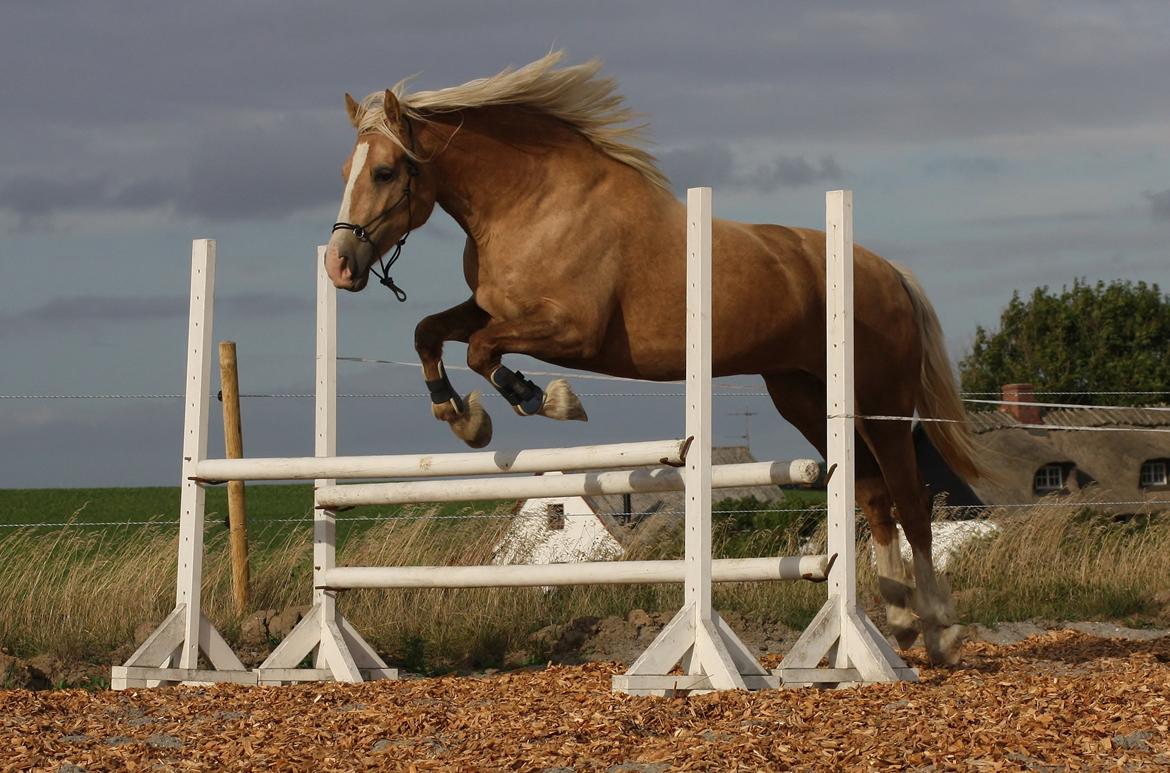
841,633
171,653
341,653
712,655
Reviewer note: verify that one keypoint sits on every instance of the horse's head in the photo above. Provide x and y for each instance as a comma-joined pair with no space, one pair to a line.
387,190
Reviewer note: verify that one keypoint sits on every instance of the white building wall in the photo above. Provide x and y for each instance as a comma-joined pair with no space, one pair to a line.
947,538
530,540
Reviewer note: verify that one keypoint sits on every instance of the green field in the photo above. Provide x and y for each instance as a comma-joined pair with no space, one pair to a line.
273,510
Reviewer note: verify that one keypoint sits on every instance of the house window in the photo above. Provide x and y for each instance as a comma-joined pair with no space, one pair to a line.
1049,478
1154,473
556,517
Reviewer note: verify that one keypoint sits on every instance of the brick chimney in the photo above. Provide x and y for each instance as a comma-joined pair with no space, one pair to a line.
1022,393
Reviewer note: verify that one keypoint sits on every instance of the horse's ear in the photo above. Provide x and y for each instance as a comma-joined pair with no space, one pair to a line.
352,108
392,108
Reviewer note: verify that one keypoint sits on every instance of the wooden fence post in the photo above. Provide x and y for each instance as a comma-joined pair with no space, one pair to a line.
234,442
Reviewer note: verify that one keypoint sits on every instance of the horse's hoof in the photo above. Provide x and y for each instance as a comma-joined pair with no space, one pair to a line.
474,425
905,637
561,403
945,645
449,411
902,623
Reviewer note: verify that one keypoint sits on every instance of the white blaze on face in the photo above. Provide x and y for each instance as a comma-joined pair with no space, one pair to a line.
357,163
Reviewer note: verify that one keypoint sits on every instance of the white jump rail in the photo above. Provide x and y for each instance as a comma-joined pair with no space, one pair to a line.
645,481
698,639
814,568
596,457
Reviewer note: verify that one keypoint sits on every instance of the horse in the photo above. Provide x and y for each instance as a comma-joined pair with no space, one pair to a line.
575,255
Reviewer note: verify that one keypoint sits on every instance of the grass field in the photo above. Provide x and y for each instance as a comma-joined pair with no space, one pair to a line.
273,510
59,586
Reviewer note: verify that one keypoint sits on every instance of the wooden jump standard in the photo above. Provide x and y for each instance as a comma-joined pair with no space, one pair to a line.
697,638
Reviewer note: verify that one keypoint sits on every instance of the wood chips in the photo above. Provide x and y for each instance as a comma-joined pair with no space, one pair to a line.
1061,699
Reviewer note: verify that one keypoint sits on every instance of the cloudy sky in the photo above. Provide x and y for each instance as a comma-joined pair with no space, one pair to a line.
991,146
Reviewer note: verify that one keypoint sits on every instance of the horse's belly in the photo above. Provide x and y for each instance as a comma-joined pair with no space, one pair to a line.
753,330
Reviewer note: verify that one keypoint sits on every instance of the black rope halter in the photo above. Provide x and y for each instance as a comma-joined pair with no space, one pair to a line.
364,233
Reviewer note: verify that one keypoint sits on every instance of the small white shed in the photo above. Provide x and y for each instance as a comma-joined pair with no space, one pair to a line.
557,530
553,530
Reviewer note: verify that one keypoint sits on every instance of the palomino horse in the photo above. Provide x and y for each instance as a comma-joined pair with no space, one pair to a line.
575,255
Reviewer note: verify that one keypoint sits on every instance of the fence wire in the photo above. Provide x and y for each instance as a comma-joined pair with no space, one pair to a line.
811,510
728,390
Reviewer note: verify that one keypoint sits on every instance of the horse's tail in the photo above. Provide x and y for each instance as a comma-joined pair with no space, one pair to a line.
938,397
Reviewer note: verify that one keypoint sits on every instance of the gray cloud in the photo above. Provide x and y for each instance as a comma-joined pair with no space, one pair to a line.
262,173
34,201
231,113
241,173
83,311
1044,220
791,172
696,165
969,167
714,165
1159,203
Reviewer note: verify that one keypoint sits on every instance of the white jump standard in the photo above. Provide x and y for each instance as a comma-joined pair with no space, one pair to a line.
172,651
841,632
711,655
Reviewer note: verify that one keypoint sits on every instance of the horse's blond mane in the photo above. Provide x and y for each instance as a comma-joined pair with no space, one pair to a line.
575,95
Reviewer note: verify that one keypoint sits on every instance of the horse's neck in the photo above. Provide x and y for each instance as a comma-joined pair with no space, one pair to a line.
496,162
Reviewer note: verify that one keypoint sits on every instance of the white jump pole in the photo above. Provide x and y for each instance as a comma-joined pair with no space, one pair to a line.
815,568
856,650
530,460
643,481
710,653
342,653
171,652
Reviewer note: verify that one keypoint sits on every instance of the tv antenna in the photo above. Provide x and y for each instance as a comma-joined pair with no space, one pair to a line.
747,430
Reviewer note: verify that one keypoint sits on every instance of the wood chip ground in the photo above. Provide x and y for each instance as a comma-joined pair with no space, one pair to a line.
1062,700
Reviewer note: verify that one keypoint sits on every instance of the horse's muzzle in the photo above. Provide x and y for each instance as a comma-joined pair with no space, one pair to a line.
344,272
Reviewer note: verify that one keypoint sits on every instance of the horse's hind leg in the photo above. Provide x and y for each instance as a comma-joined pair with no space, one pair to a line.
894,580
800,398
893,446
540,333
466,416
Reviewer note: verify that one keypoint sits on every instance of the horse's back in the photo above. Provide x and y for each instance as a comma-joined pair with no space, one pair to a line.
770,290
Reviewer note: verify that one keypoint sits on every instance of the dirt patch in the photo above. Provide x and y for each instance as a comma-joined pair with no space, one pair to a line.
1010,633
45,672
581,640
1062,698
591,639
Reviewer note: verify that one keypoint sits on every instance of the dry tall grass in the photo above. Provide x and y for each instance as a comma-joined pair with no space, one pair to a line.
77,593
1059,562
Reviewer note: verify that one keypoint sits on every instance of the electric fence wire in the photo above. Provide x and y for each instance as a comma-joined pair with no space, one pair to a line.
814,509
730,390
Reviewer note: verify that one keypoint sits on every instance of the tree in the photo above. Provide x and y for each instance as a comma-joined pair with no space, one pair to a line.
1088,338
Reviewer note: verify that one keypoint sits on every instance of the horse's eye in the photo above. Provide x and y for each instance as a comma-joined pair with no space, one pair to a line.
385,174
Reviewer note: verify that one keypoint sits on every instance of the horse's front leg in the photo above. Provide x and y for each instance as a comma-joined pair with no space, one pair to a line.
466,416
541,333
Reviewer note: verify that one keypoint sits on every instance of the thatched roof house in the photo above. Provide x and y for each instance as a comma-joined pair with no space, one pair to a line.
1120,456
